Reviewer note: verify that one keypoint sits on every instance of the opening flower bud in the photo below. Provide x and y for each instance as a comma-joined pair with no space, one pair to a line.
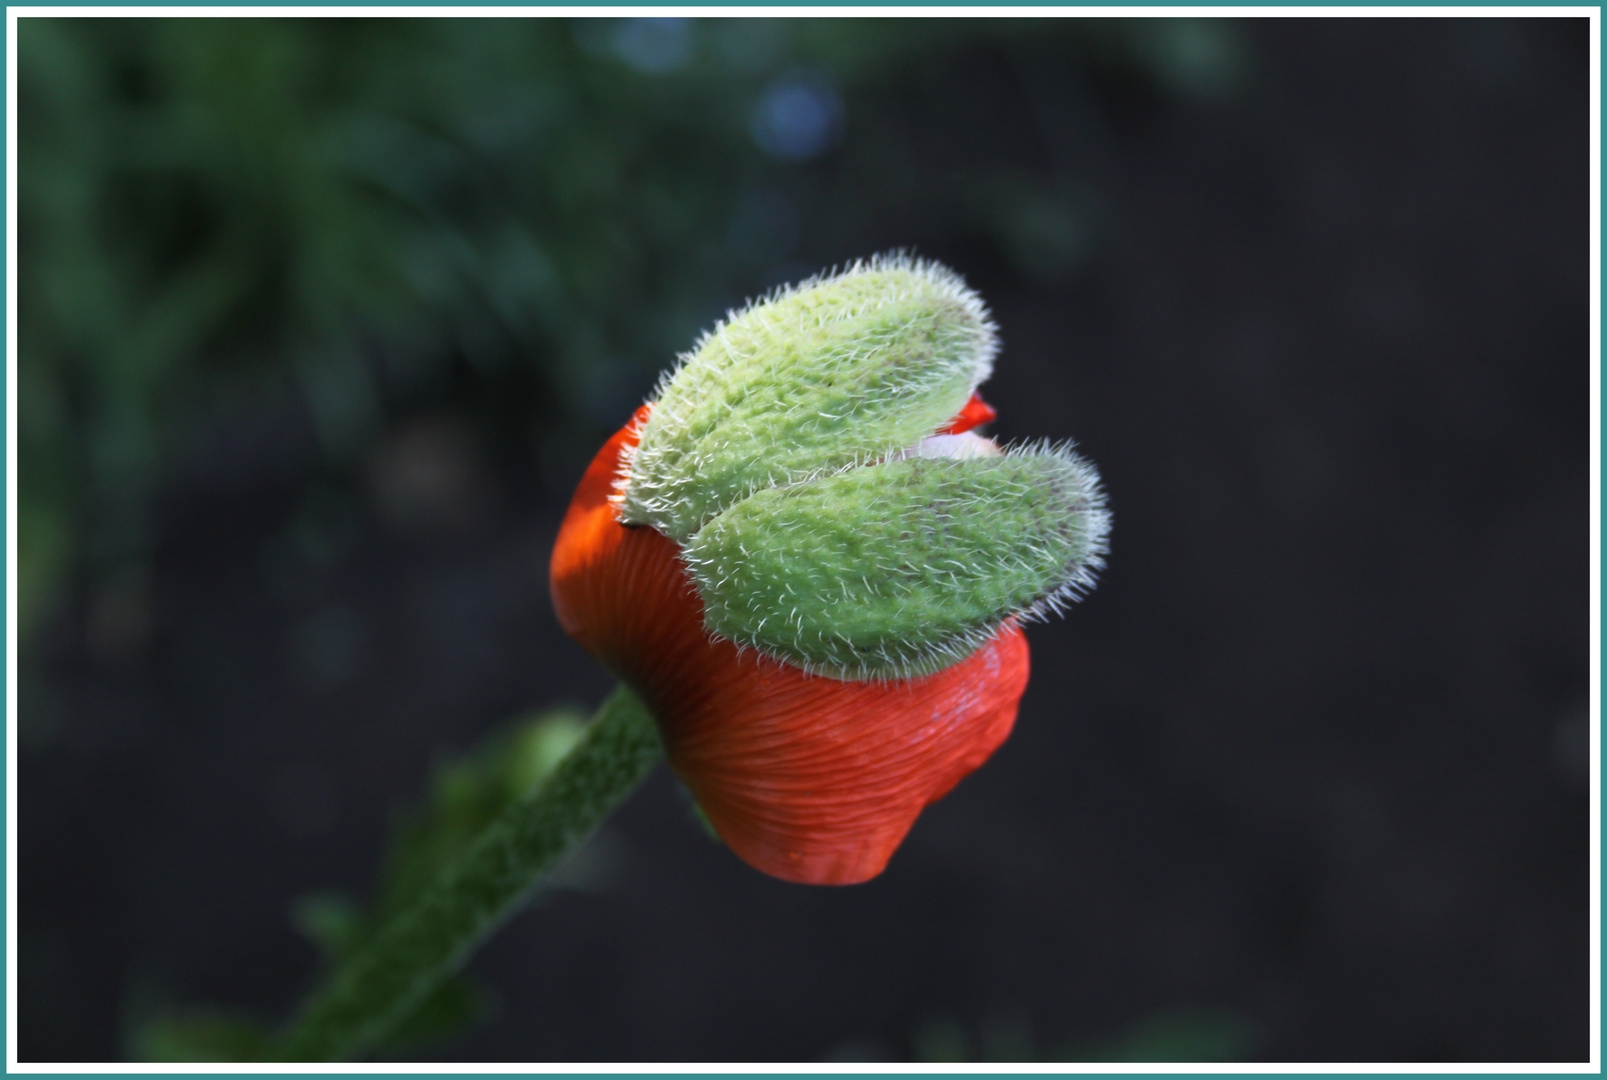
812,569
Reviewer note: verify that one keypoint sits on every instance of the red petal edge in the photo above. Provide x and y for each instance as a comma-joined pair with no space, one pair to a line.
976,413
807,778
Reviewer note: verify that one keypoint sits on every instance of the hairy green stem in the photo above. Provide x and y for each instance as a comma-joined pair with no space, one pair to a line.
425,944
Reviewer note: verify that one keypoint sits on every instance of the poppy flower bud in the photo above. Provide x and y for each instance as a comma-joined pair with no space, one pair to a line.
812,568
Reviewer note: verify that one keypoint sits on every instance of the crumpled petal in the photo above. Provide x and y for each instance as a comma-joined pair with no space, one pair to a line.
806,778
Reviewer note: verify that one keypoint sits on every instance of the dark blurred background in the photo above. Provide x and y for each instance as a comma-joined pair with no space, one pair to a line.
320,321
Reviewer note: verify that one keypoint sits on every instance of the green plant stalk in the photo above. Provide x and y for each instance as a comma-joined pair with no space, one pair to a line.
425,944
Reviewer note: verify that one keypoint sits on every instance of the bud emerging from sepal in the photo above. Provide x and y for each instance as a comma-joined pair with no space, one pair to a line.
899,569
842,370
817,502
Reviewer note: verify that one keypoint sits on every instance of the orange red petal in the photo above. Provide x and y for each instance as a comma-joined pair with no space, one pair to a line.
976,413
807,778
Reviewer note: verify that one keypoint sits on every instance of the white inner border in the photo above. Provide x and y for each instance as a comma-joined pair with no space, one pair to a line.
817,1068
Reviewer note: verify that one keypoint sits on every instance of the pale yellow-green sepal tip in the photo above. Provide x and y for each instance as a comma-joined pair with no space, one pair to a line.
844,369
901,568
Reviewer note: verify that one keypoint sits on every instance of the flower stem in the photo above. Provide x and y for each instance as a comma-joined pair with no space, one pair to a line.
426,943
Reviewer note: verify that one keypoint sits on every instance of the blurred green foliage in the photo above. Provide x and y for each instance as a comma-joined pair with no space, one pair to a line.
199,1035
466,795
354,213
363,216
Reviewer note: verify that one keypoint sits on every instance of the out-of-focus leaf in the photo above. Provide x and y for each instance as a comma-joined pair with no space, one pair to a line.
466,795
1193,1035
455,1006
359,207
200,1035
332,921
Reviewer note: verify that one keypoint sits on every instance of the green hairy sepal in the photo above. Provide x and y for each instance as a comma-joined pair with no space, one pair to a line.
901,568
842,370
